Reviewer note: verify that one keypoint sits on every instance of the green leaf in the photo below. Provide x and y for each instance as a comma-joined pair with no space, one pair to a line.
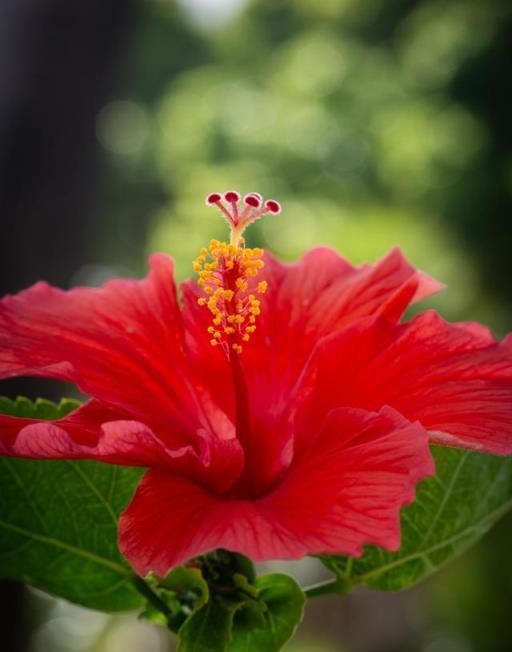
38,409
209,629
453,509
58,521
284,602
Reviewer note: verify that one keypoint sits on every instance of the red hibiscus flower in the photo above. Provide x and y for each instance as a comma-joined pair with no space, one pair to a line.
281,409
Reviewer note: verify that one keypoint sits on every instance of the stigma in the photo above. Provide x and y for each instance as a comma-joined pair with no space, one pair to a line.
228,272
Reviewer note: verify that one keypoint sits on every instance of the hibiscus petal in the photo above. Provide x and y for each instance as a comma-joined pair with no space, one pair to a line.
347,487
82,424
315,298
92,431
121,343
96,432
171,519
455,379
305,302
345,491
323,292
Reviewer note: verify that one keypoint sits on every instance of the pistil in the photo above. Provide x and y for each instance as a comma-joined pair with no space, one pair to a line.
227,275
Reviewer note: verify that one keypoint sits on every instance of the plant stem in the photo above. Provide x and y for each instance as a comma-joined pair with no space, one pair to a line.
146,591
337,585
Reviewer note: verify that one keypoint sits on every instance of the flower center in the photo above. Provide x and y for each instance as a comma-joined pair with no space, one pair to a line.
227,272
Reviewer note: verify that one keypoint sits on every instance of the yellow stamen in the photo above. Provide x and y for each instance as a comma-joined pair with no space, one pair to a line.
225,274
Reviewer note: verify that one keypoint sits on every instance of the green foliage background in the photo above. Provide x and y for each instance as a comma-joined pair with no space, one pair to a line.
374,123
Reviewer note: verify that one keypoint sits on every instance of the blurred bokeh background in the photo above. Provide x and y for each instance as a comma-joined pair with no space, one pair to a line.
375,123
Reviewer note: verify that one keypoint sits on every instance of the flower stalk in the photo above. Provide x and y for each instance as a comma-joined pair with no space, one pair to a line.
147,592
336,586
